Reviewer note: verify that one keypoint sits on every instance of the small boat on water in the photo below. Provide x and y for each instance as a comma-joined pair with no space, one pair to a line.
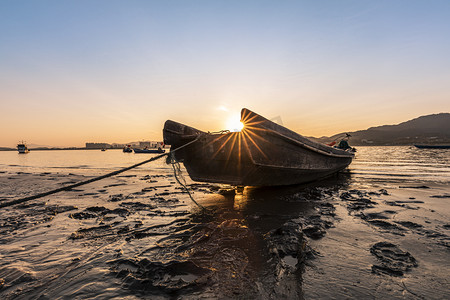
127,149
263,153
22,147
432,146
159,150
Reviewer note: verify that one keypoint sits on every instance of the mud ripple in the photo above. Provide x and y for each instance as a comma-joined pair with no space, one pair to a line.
392,260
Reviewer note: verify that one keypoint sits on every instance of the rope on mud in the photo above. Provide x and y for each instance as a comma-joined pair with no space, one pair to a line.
179,178
71,186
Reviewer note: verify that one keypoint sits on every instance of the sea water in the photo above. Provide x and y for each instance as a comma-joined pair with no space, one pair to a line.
80,161
402,163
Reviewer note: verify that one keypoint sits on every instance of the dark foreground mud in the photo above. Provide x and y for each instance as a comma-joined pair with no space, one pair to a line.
140,237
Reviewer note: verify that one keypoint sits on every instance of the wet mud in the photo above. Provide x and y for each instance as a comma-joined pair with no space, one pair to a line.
140,236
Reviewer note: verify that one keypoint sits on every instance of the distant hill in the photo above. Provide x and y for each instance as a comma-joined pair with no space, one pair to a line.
430,129
34,146
6,149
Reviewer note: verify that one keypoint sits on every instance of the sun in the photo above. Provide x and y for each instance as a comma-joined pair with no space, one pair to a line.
234,124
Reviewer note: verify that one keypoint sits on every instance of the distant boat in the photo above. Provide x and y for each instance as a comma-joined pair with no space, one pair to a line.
433,146
159,150
22,147
127,149
263,153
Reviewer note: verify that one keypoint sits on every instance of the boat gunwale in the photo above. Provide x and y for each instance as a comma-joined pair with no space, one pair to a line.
274,132
312,148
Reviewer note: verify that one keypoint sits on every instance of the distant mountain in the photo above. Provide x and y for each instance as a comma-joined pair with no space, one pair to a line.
34,146
430,129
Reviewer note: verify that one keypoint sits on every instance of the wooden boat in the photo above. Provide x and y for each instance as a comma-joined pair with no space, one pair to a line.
159,150
127,149
433,146
263,153
22,147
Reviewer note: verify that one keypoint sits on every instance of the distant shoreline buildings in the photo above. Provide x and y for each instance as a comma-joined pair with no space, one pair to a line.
139,145
98,146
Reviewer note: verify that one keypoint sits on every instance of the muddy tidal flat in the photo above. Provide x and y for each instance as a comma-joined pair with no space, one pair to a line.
378,230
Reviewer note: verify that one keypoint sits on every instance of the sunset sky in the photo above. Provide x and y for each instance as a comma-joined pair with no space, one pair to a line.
113,71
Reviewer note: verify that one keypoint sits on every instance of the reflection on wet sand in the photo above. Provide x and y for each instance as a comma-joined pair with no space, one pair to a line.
247,245
253,242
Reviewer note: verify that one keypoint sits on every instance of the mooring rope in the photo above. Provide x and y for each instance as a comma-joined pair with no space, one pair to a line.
71,186
180,179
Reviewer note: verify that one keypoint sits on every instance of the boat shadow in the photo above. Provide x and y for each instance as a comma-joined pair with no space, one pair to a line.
285,200
255,239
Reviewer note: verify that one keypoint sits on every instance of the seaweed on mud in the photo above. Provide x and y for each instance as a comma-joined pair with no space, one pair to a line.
83,215
143,275
314,231
360,200
114,184
116,198
415,187
163,194
164,201
99,211
287,240
307,194
379,192
409,201
91,232
226,191
360,204
204,187
314,226
372,216
327,209
392,260
289,250
409,224
440,196
393,228
137,205
400,204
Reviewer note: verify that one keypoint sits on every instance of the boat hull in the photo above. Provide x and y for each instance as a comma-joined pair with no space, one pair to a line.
262,154
22,148
433,146
148,151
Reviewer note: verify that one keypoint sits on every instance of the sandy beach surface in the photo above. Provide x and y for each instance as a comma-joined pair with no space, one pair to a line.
139,236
